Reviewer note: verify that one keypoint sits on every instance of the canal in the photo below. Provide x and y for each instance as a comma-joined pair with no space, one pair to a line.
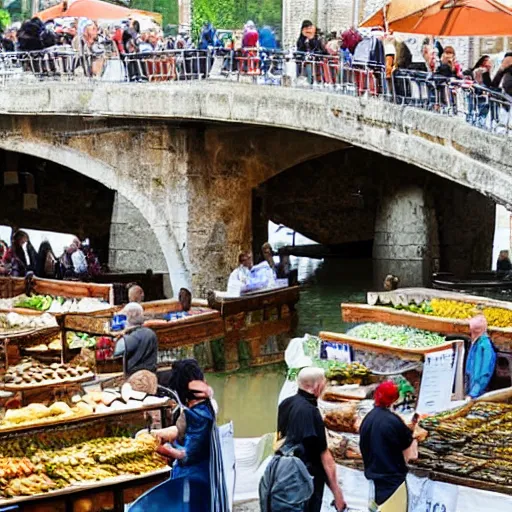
249,398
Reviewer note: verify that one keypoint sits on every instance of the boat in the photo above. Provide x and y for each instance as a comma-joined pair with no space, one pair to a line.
223,333
257,326
498,281
382,307
179,335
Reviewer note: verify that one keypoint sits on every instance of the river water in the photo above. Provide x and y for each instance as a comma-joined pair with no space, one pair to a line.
249,398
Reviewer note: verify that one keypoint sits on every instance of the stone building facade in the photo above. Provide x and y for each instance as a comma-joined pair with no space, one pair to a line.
329,15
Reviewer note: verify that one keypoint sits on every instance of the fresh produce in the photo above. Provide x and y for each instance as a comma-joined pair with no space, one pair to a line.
80,340
473,440
346,373
38,302
13,322
398,336
30,372
55,304
48,469
312,346
444,308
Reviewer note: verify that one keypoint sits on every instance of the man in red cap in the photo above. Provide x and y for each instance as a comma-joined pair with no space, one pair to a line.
386,444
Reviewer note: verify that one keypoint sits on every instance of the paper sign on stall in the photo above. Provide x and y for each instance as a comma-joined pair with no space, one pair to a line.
437,382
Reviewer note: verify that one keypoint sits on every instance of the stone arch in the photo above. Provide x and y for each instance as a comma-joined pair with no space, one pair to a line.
106,175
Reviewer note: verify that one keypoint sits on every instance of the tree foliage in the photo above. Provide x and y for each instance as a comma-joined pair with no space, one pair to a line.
167,8
5,19
233,14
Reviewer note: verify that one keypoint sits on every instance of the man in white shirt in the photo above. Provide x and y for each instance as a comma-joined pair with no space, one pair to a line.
239,278
78,259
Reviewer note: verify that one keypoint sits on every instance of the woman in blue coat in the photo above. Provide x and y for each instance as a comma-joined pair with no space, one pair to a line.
194,442
481,358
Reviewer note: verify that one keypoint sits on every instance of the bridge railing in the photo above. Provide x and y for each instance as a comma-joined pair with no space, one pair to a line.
482,107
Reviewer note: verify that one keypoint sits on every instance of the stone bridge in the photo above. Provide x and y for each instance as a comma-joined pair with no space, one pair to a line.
188,156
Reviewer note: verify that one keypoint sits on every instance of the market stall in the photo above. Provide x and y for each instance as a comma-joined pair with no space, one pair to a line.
12,287
436,310
180,334
257,326
76,457
427,368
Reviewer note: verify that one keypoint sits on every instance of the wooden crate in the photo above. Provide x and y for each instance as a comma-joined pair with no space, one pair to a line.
357,313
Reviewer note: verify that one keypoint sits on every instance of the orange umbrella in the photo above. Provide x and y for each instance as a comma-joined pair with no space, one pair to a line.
395,10
92,9
459,18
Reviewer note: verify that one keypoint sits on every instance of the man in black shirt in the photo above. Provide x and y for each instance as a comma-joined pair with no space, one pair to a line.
300,424
503,264
384,438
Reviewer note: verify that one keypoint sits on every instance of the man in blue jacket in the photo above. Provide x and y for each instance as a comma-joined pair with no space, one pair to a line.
481,358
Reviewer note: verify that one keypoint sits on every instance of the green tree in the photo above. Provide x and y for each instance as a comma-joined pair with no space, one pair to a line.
233,14
167,8
5,19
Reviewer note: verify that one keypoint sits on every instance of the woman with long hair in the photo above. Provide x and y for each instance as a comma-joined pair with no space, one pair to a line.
22,256
481,71
46,261
194,442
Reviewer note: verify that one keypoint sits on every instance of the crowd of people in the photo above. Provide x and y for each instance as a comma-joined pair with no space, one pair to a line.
388,56
20,258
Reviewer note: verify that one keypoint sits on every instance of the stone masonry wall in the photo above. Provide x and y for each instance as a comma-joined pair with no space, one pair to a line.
329,15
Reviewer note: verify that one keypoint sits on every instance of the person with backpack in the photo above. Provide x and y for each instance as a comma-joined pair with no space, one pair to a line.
481,361
301,431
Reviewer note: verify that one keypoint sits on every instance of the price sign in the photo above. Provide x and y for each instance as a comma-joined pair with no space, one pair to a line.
335,352
441,497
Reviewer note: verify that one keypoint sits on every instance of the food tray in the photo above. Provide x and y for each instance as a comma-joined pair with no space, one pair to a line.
15,335
385,347
82,486
46,383
48,355
76,419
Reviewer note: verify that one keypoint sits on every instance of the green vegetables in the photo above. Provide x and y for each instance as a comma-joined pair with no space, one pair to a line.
80,340
425,308
398,336
347,373
38,302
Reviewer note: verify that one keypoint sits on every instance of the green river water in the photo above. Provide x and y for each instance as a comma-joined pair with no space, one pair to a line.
249,398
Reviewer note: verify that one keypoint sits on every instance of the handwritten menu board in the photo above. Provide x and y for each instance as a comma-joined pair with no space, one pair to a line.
437,382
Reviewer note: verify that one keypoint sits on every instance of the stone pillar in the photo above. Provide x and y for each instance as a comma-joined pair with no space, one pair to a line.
133,245
185,14
219,212
405,241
